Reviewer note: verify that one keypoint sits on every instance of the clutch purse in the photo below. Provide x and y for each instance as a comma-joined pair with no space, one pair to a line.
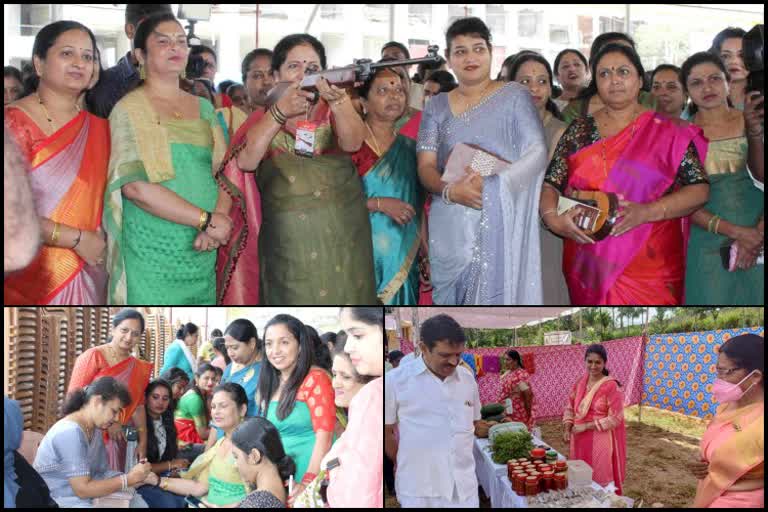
598,211
469,155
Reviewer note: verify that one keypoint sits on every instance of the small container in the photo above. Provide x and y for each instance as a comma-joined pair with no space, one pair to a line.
531,486
560,482
551,457
538,454
519,484
561,466
548,478
522,460
546,467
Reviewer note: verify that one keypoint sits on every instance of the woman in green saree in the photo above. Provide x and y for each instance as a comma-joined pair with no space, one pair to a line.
734,213
387,165
165,146
315,237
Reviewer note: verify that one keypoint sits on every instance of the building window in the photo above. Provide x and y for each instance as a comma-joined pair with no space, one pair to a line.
559,34
420,14
332,11
34,17
456,12
611,24
496,17
376,13
529,23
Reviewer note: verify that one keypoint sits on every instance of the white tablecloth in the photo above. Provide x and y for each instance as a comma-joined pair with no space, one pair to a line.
493,478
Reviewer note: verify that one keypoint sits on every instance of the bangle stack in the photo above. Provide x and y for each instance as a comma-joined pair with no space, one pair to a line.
277,115
124,478
205,220
756,134
447,194
713,221
55,233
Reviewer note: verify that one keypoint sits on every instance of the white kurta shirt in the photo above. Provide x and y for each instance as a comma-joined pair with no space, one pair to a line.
435,421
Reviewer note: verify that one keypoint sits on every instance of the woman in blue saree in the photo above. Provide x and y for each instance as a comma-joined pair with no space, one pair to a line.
386,162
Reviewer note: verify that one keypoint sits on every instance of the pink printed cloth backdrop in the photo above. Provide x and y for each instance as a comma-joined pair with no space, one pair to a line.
557,368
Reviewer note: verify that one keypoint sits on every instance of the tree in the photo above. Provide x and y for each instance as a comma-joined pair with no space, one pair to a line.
661,314
604,320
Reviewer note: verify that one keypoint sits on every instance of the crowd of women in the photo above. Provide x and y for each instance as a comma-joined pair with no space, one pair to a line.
294,419
728,465
188,198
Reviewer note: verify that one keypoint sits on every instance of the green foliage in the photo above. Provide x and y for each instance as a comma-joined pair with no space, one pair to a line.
512,445
600,324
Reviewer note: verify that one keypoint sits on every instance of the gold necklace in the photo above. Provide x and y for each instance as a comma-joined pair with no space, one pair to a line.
45,110
375,141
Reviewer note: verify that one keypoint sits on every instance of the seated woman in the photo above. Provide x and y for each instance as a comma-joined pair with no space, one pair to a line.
72,458
262,463
161,444
213,474
179,380
192,415
222,359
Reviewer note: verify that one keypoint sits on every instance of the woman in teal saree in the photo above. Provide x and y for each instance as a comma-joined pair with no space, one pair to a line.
386,162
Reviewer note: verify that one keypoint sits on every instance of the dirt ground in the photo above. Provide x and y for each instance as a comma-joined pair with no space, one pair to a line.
657,450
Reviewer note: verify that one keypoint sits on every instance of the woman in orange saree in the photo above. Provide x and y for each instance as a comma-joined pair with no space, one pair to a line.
114,359
594,422
731,467
68,153
653,164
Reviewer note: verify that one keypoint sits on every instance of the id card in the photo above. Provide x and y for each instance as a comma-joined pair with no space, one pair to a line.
305,139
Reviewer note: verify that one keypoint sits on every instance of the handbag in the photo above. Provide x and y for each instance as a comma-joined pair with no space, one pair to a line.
598,211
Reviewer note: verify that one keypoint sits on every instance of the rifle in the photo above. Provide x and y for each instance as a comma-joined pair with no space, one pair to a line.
347,76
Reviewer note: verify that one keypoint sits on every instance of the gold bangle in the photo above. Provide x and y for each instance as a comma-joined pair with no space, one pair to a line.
717,225
378,204
55,233
201,223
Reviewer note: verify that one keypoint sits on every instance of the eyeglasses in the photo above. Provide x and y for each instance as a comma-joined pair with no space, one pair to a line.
724,372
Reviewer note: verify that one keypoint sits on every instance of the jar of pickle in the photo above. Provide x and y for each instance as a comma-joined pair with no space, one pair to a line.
538,454
561,481
547,479
519,485
545,467
531,486
561,466
551,457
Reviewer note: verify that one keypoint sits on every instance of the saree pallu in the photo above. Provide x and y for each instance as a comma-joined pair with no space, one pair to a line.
646,265
315,241
67,177
734,197
225,485
152,260
395,247
237,263
733,444
604,448
488,256
132,372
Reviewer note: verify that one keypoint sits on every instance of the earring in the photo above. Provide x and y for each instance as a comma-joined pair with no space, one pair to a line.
183,75
142,72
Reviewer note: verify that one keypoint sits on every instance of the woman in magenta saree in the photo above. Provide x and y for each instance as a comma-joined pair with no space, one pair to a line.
654,164
594,421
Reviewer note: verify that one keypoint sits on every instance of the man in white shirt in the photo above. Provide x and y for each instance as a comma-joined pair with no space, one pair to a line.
435,403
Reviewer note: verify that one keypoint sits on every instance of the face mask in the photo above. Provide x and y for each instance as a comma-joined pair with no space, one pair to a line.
727,392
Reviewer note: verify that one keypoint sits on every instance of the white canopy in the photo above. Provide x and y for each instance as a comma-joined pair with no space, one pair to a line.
492,318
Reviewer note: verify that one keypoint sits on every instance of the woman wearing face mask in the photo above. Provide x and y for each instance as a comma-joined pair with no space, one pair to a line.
594,421
730,466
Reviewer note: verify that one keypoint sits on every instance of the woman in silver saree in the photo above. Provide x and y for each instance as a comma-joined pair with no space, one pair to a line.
483,231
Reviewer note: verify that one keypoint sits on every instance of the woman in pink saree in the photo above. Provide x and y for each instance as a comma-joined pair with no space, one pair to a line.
594,421
730,467
653,164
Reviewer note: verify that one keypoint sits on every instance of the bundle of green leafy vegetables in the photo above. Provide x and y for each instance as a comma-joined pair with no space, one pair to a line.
511,445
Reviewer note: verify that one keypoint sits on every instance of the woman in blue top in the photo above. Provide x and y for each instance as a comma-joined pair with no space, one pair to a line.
179,354
245,350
